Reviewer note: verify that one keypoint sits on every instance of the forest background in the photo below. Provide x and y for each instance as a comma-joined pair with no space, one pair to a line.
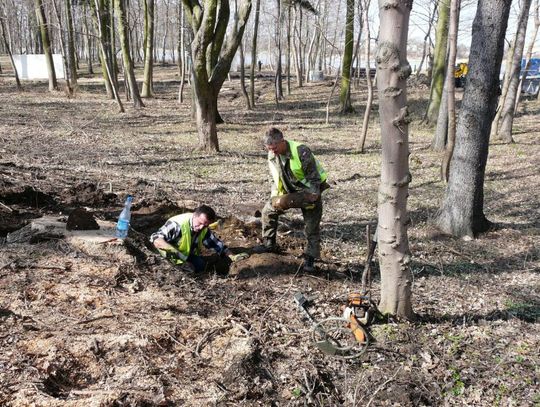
110,325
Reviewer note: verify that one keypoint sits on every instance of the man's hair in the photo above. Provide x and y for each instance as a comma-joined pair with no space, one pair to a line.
207,211
272,136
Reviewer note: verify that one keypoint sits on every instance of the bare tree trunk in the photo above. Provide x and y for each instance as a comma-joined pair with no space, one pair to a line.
165,35
509,103
365,21
345,90
205,115
112,44
529,52
427,38
242,77
148,87
45,40
441,131
462,210
65,63
5,36
450,87
313,44
439,63
279,71
71,45
297,42
331,58
182,55
289,6
392,72
304,50
129,72
254,53
88,38
356,55
208,28
330,98
99,11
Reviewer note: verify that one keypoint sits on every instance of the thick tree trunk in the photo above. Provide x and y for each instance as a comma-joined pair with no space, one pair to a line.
129,72
345,90
439,62
207,27
205,115
462,210
509,103
148,87
45,40
392,73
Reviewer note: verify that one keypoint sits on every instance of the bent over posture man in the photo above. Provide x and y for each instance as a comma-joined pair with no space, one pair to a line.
182,237
298,180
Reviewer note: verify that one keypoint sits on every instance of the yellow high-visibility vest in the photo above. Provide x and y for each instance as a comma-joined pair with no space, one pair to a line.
296,168
184,244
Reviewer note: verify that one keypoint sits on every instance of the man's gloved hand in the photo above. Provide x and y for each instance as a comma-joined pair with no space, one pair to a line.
172,255
237,257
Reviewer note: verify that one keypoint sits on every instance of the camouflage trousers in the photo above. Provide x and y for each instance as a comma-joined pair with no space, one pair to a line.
312,229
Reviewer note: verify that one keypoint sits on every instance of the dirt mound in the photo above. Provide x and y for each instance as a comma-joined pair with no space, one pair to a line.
19,204
26,195
87,194
265,264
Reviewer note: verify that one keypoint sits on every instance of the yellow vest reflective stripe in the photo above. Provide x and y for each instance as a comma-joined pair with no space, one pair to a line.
184,244
296,168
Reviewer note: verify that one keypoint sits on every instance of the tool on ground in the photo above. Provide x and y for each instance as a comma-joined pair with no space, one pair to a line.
360,309
333,336
359,313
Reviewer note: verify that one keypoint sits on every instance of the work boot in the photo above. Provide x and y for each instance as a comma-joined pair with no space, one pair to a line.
309,264
268,246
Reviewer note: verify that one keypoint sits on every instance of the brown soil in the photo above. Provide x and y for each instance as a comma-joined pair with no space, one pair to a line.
119,326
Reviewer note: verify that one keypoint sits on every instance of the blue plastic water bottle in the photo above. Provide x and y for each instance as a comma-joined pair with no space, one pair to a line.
122,226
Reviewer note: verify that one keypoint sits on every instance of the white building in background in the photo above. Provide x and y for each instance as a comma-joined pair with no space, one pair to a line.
34,66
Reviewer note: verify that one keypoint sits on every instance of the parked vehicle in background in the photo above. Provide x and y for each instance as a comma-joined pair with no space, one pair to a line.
531,83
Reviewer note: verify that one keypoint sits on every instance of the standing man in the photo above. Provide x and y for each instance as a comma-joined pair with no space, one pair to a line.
298,180
181,239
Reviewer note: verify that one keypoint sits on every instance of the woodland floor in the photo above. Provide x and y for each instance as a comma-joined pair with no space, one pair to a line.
80,328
